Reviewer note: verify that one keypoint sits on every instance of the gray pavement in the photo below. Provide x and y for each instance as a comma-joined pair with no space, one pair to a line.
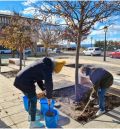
13,115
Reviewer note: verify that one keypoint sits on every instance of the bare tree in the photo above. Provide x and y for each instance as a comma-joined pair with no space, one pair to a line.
49,35
80,17
19,33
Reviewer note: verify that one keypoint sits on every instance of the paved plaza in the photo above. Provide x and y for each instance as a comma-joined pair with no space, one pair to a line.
13,115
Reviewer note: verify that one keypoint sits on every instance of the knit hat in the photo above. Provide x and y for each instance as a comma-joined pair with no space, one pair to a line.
58,66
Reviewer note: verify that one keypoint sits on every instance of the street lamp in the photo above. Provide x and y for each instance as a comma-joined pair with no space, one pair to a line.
91,41
105,44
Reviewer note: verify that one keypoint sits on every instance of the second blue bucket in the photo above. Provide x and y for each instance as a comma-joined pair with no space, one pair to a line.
52,121
44,105
25,102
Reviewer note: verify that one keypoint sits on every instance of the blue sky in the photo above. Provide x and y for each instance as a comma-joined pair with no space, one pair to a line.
23,7
11,5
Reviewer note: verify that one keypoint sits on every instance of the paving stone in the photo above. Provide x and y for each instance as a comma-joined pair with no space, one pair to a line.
0,107
4,91
10,104
118,126
7,94
13,127
24,124
12,98
104,121
97,124
117,109
19,117
3,113
6,121
2,100
67,122
15,109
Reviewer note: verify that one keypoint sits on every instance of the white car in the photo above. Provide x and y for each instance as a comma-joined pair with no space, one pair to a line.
5,51
92,51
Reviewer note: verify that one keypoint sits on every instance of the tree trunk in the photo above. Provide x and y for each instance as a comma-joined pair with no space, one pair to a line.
76,64
21,56
13,54
46,51
34,50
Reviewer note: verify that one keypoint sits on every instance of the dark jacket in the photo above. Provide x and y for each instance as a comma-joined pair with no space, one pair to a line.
36,72
100,78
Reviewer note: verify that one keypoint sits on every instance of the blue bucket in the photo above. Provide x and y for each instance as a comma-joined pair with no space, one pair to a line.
44,105
25,102
52,121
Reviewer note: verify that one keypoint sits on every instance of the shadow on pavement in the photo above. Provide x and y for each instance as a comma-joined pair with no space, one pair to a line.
114,114
63,121
114,117
3,125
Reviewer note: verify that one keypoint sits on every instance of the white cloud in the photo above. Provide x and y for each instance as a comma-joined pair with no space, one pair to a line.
29,10
7,12
52,19
87,41
115,27
29,2
96,25
112,30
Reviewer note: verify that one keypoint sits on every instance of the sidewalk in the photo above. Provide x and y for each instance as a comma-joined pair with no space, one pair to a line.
13,115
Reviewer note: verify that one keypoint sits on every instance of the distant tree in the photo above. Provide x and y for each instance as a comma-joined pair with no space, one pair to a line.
19,34
99,44
110,44
49,35
80,17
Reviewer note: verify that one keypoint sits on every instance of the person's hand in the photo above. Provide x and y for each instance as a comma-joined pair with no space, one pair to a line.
40,95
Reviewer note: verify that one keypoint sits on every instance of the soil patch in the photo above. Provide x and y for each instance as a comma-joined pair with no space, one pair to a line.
10,74
66,98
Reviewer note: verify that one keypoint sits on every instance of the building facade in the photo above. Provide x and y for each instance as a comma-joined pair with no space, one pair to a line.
6,20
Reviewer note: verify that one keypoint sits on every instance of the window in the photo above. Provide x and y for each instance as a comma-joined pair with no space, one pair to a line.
97,49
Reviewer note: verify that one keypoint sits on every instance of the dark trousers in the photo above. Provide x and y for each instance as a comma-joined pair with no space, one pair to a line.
32,104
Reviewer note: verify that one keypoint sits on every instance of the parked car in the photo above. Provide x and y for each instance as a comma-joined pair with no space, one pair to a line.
57,50
27,51
92,51
5,51
115,54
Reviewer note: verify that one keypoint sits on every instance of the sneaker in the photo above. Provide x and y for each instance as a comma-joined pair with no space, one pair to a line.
99,112
96,106
36,124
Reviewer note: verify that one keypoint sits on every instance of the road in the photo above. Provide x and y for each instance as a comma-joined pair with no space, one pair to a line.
100,58
111,64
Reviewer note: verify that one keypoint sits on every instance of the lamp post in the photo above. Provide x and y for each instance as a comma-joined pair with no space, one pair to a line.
91,41
105,43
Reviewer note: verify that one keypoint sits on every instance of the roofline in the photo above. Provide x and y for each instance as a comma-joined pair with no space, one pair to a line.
20,16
